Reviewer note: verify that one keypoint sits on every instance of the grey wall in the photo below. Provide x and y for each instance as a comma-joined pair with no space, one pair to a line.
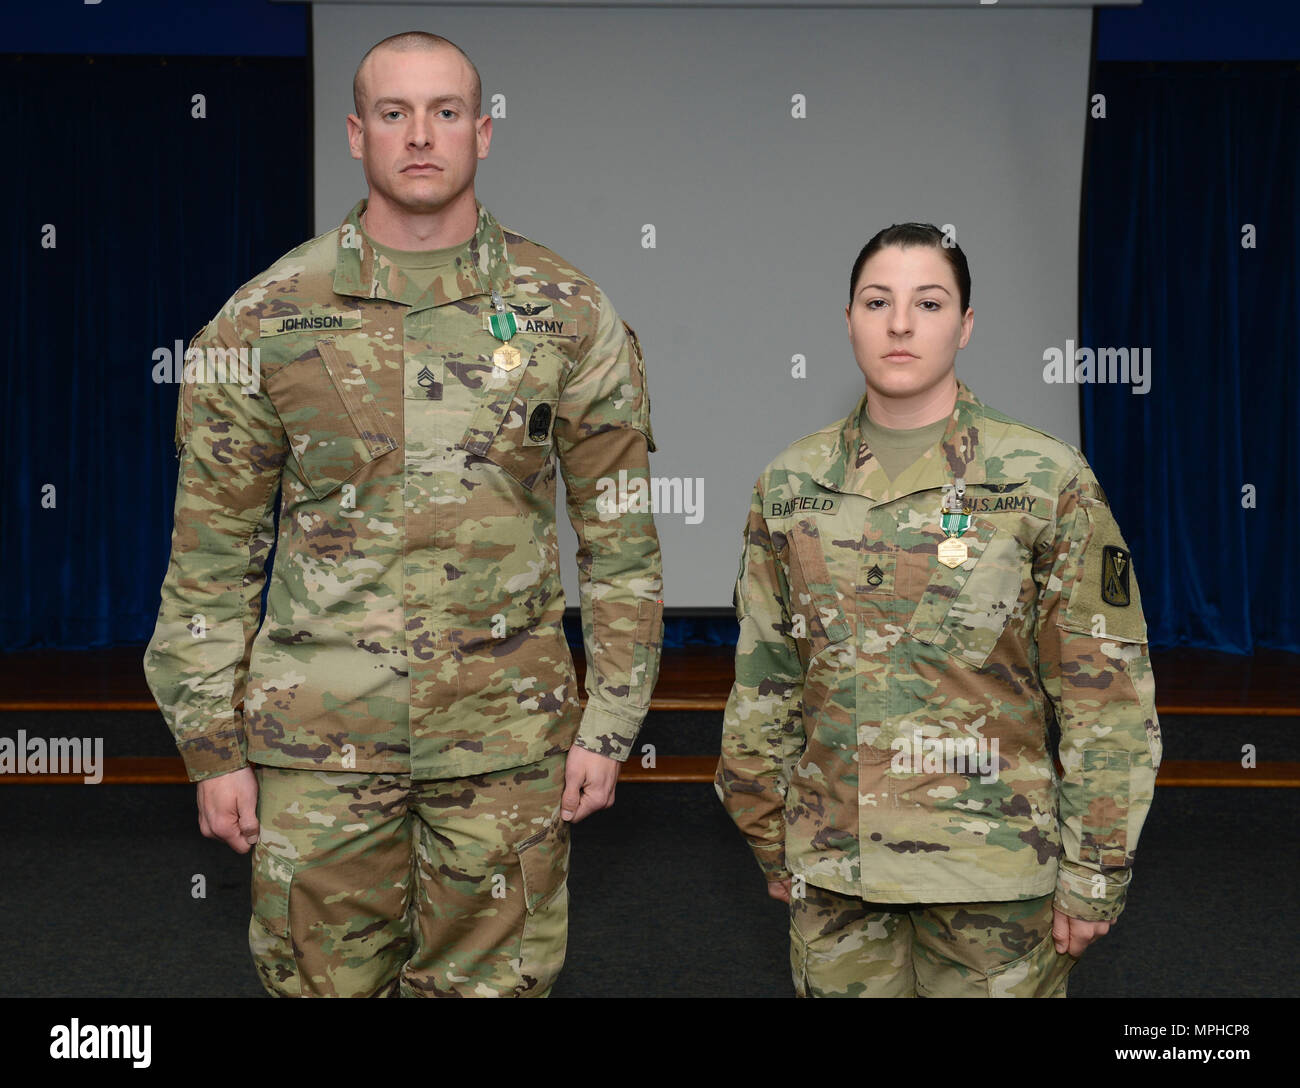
681,118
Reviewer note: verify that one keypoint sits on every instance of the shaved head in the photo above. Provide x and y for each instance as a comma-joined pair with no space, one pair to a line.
414,41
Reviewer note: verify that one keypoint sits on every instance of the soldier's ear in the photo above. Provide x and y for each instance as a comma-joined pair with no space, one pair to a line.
967,324
356,135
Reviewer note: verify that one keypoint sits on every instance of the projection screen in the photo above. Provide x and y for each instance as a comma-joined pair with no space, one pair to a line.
759,148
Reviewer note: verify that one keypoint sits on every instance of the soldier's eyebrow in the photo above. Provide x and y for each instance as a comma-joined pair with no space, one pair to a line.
454,99
923,287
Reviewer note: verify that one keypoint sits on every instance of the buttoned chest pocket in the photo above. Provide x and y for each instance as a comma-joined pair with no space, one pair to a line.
514,423
815,611
335,428
964,610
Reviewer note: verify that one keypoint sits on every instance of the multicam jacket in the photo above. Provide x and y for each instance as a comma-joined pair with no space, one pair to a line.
413,623
887,734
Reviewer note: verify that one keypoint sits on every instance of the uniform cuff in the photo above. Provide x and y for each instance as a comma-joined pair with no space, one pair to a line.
1090,895
214,754
771,859
606,734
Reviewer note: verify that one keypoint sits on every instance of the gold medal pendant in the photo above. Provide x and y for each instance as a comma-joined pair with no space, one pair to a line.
952,552
507,357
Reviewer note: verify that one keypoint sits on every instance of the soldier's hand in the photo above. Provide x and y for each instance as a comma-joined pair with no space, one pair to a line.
589,781
780,889
228,809
1073,935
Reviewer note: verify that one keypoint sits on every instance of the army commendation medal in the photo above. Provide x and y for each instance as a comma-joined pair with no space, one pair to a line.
507,357
953,551
503,326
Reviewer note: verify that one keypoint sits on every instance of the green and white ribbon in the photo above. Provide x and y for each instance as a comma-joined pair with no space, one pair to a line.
954,524
503,326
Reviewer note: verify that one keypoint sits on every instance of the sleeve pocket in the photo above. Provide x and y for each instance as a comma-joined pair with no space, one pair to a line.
645,651
1103,832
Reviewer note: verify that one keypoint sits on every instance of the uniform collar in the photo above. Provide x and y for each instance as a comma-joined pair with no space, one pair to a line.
362,272
851,467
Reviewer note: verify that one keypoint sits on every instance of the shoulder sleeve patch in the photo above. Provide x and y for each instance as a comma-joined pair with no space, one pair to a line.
1114,576
1103,598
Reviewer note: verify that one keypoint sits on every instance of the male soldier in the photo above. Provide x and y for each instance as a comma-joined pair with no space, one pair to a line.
408,702
922,585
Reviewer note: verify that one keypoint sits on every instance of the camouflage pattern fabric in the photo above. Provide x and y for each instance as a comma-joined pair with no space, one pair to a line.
887,734
377,885
842,946
414,617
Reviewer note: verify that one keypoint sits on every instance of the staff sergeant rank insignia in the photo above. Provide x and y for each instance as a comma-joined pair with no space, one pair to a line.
429,383
1115,563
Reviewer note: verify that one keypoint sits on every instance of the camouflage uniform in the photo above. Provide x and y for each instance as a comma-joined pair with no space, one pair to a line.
374,885
870,676
413,628
843,946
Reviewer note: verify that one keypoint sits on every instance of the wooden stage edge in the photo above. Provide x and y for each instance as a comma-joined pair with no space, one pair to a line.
170,771
691,679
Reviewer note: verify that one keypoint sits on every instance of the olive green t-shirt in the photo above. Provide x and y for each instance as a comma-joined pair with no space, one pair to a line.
895,449
420,266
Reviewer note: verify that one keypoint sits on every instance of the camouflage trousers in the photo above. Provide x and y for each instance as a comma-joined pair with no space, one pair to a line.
377,885
842,946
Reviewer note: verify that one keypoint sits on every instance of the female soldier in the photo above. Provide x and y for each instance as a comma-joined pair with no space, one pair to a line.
924,586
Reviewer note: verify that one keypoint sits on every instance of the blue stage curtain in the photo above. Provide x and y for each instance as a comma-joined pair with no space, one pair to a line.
158,217
1187,158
